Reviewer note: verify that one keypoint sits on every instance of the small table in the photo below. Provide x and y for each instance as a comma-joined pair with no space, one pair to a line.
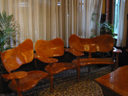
115,83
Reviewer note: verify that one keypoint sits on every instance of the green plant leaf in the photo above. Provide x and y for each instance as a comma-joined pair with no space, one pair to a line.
8,28
9,18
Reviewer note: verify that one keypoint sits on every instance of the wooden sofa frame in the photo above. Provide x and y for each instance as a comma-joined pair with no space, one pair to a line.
46,51
12,59
102,43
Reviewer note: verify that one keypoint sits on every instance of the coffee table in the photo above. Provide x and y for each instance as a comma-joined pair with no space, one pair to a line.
115,83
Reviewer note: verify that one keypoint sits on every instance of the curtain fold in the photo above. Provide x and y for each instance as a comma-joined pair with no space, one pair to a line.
49,19
122,28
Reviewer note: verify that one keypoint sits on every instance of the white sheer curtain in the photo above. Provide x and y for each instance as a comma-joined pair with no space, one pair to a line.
122,29
48,19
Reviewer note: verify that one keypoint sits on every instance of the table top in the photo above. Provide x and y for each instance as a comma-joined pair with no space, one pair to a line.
117,80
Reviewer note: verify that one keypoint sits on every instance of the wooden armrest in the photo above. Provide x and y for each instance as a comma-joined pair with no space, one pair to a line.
15,75
74,52
45,59
115,50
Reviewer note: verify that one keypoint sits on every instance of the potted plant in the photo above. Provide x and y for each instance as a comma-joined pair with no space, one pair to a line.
8,29
105,27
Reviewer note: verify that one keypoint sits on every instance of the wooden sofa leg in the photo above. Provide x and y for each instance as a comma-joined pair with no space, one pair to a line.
117,61
112,67
35,63
51,78
19,92
78,73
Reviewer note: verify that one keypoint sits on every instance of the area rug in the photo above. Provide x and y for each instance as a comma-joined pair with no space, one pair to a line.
65,83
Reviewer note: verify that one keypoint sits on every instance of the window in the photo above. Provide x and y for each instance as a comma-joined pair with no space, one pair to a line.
116,17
